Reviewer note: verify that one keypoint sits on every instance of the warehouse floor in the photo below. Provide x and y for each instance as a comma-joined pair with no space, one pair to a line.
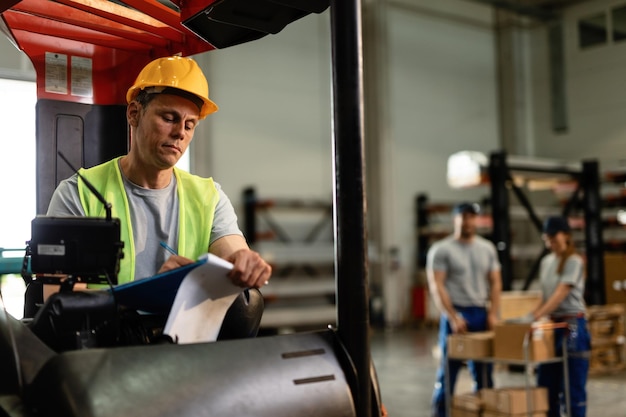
406,362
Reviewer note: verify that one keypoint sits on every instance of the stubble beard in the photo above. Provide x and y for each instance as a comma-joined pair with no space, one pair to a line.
467,233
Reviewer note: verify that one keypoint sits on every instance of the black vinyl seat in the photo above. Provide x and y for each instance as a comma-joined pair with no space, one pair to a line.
33,298
243,318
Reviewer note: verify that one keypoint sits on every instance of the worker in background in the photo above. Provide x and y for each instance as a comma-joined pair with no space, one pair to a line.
464,279
155,201
562,280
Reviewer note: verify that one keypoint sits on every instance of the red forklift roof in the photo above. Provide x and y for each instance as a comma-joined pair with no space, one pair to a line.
88,51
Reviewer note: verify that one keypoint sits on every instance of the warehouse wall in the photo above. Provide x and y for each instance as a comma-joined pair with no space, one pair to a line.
595,95
273,127
443,100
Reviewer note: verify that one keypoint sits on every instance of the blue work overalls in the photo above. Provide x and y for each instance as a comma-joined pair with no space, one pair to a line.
551,375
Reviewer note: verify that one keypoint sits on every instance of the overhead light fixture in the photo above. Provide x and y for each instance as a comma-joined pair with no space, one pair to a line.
467,169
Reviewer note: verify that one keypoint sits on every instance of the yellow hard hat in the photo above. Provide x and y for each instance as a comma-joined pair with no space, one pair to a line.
175,72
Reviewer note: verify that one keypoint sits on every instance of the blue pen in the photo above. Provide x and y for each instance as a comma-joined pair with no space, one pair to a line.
168,248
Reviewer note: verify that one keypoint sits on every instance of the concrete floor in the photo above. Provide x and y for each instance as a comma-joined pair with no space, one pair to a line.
406,362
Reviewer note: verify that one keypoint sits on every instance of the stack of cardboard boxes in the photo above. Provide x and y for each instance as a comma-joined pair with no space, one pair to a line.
606,327
506,343
507,340
515,402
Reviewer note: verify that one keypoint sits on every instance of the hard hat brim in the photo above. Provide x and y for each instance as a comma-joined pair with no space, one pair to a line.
208,106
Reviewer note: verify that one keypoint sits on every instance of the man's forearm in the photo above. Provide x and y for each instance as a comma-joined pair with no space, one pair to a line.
439,293
495,302
227,245
494,298
446,303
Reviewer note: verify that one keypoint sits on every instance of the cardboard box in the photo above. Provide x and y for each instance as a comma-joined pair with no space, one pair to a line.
513,400
473,345
460,412
514,304
509,341
606,328
606,321
615,278
599,312
495,414
469,401
607,358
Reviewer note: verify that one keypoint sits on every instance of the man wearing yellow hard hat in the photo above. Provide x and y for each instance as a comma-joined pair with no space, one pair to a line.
157,203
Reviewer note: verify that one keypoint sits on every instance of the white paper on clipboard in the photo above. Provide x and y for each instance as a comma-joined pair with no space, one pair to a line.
204,296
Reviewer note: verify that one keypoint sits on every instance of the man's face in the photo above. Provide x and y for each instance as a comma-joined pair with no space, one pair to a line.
163,129
465,225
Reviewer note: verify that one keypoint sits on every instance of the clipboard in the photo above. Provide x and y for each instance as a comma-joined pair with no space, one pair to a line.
154,294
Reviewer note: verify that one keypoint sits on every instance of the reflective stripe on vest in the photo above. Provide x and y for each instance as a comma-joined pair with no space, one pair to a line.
197,199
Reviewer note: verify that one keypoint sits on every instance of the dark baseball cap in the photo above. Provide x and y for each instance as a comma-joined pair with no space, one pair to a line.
555,224
466,207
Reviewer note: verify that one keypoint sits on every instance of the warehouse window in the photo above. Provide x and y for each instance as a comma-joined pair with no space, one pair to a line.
17,162
592,30
618,23
17,170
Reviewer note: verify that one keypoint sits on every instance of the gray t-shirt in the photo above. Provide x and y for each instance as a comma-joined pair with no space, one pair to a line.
573,274
467,267
154,218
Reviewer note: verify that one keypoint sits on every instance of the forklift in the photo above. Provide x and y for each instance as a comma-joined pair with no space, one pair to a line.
86,53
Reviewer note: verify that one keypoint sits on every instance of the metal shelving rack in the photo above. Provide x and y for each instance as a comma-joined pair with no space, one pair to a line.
500,171
295,236
587,175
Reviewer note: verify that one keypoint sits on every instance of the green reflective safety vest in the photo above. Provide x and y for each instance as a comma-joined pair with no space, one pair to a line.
197,199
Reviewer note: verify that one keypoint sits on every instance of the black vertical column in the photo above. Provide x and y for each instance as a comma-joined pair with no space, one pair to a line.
351,267
421,215
499,176
249,215
594,243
